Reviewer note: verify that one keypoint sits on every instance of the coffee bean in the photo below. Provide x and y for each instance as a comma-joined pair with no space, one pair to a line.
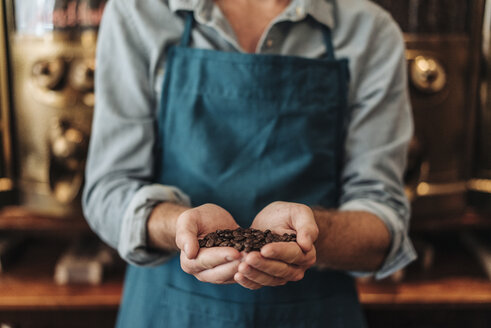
247,240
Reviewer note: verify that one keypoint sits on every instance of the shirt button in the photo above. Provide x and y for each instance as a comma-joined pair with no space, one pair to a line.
299,11
269,43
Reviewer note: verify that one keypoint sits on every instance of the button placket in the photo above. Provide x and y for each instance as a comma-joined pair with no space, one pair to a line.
269,43
271,39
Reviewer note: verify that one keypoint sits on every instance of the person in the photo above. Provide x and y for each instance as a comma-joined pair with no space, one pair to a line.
288,115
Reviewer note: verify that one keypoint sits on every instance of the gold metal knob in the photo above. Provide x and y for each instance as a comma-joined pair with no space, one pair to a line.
68,146
427,74
48,73
82,75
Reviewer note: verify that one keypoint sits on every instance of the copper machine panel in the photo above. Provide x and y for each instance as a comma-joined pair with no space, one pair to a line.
443,54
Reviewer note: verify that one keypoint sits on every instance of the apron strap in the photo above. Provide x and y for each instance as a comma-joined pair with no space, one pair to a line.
186,35
326,32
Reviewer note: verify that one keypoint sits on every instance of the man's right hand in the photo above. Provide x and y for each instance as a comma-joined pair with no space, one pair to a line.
216,265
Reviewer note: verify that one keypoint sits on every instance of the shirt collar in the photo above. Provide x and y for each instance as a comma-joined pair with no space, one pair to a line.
320,10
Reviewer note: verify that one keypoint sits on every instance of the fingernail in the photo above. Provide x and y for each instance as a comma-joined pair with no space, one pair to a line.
229,258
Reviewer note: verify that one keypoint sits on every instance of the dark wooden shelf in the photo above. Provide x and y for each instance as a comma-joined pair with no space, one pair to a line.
15,218
470,220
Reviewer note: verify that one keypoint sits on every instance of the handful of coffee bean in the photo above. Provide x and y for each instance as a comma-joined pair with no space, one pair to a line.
243,239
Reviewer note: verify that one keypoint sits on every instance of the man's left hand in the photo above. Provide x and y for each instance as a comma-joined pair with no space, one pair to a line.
278,263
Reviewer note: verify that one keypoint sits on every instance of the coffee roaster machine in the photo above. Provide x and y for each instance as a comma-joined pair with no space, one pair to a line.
443,40
52,62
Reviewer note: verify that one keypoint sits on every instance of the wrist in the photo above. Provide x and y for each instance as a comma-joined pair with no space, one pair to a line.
161,226
323,220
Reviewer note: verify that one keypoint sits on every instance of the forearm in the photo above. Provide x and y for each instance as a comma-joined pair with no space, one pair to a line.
161,226
354,241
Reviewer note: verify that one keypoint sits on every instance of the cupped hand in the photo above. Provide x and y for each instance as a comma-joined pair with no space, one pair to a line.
215,265
278,263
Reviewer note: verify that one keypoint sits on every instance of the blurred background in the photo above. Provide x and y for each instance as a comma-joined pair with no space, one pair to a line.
54,272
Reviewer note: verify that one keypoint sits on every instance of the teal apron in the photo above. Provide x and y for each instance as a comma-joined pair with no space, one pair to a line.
241,131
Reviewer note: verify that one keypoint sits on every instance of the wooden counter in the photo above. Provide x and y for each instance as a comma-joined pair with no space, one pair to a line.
28,283
459,291
22,293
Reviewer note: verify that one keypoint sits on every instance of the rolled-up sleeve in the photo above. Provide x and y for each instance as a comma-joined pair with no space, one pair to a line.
118,196
377,142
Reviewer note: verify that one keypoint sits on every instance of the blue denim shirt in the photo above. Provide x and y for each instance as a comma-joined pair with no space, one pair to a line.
120,194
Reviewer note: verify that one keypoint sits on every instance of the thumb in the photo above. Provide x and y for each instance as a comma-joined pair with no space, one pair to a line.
186,236
307,231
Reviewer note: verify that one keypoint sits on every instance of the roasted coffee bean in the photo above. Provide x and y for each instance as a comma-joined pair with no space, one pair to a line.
247,240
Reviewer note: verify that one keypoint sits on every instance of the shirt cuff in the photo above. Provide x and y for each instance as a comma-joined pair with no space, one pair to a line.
132,245
401,251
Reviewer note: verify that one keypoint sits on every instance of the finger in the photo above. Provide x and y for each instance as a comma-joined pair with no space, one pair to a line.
244,282
274,268
211,257
291,254
303,222
186,235
208,258
220,274
260,277
284,251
